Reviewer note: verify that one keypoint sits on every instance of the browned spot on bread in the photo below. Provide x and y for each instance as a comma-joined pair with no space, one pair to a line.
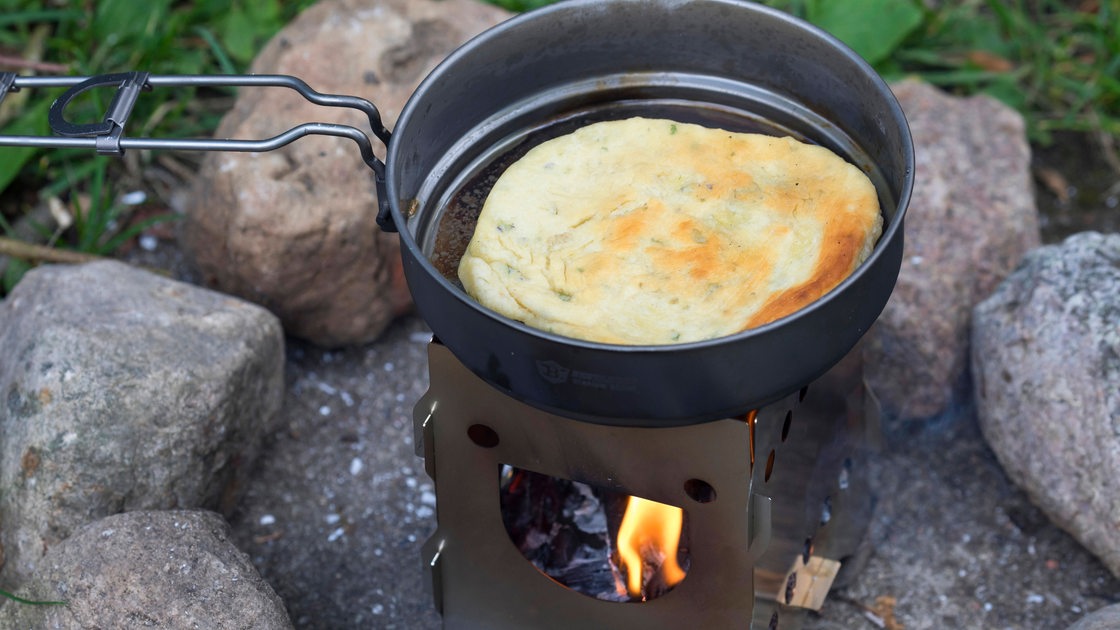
838,256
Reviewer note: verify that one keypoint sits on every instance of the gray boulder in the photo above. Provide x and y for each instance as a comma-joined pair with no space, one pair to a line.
122,390
173,569
1107,618
971,218
1046,370
294,229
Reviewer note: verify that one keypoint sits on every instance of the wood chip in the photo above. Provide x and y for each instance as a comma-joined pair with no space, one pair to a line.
884,609
990,61
1054,182
267,538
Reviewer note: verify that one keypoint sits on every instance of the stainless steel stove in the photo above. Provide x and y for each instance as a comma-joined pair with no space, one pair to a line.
776,502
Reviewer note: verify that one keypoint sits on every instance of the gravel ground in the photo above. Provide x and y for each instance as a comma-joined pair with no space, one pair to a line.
958,546
339,505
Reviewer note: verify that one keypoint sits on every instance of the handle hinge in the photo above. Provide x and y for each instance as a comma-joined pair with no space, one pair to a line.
7,84
108,132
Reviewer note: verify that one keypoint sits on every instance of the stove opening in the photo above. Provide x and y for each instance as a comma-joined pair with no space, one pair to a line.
597,542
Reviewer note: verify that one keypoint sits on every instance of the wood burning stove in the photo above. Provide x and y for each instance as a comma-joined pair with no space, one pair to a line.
775,502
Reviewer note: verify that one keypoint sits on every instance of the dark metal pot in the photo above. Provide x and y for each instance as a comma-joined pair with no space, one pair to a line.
731,62
725,63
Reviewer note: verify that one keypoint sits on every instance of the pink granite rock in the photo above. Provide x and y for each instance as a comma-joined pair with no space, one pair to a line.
971,218
150,569
1046,367
293,229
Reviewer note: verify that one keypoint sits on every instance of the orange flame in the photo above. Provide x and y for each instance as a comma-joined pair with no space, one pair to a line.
650,531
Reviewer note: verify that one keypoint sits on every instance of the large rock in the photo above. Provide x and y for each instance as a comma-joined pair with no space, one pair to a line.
1046,367
122,390
1107,618
293,229
971,218
174,569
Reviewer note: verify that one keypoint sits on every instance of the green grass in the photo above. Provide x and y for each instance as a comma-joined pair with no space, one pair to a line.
157,36
28,602
79,37
1056,61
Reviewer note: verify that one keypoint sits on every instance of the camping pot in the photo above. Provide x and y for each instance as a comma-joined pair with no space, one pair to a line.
724,63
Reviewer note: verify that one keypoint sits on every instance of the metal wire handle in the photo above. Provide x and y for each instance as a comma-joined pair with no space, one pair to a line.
107,137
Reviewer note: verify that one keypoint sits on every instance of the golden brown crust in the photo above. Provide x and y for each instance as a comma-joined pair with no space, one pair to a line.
647,231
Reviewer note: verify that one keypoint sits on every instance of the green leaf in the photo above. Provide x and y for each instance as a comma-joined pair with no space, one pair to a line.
132,231
239,35
32,122
873,28
966,76
220,55
522,5
266,14
116,21
13,273
1007,90
13,17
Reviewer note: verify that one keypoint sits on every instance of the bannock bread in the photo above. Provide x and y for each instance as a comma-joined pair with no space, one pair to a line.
649,231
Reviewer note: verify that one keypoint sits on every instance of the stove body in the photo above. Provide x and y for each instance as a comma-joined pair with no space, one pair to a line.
783,508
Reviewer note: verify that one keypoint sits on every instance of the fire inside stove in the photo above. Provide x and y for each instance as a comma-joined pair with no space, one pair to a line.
549,522
603,544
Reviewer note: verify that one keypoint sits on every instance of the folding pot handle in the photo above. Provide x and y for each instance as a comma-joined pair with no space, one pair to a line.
107,137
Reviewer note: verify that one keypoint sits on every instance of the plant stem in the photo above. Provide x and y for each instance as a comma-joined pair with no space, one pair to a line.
41,253
29,602
19,63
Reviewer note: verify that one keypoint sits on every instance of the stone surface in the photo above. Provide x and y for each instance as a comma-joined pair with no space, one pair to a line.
144,569
123,390
1046,367
1107,618
971,218
293,229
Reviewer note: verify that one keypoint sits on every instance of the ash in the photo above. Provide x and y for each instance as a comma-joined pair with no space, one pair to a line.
562,527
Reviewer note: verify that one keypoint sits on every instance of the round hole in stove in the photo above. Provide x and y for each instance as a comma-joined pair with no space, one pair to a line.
483,435
769,466
700,491
786,425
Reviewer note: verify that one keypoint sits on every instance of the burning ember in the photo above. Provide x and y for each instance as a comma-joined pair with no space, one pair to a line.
647,545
